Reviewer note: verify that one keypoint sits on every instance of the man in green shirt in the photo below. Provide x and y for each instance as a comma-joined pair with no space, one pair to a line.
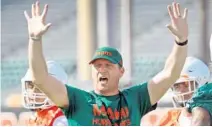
106,105
124,108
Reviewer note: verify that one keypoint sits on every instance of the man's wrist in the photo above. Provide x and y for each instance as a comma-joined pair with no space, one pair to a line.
181,43
181,40
35,39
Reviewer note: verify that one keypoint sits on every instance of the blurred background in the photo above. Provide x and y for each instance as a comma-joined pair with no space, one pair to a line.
135,27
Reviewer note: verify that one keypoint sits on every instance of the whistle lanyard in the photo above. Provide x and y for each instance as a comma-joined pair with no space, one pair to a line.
119,108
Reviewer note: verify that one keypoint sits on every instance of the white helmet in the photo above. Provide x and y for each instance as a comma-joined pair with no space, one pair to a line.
29,96
194,74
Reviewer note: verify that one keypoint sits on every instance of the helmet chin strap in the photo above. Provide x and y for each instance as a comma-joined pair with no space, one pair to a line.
34,110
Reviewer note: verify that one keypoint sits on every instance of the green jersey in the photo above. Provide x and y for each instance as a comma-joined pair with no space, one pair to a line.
91,109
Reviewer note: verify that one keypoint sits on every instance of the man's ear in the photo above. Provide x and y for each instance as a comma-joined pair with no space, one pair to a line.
122,71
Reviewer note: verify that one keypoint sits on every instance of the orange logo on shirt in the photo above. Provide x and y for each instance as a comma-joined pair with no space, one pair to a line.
112,114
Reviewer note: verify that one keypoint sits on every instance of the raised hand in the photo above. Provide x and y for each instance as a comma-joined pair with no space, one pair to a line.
36,24
178,26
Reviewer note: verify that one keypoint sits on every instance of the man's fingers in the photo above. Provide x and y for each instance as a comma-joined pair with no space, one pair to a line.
185,13
178,10
33,10
26,15
44,12
169,26
174,7
37,8
170,11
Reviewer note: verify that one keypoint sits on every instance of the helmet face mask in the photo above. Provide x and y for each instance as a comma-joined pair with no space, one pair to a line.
33,98
183,91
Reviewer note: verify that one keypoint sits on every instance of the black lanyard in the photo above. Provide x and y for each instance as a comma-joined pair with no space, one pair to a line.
119,110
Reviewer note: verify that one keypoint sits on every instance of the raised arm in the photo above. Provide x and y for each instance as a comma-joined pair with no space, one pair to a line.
159,84
37,27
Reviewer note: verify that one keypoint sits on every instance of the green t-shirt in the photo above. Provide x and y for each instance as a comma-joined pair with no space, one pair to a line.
126,108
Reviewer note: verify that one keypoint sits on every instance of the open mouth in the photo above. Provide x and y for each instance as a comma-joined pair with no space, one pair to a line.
103,79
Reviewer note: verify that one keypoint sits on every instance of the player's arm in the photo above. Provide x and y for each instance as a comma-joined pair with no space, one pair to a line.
200,117
200,105
158,86
53,88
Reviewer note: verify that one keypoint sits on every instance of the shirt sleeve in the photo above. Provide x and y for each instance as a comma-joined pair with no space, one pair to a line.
140,95
77,98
